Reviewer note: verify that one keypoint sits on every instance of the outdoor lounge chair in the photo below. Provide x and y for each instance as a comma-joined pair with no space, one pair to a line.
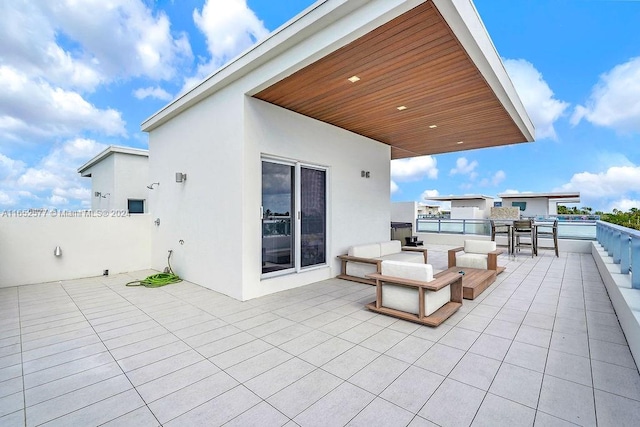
478,261
409,291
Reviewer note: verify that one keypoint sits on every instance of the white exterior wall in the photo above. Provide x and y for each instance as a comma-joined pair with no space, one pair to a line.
358,209
460,209
404,212
131,180
535,206
89,246
102,181
205,212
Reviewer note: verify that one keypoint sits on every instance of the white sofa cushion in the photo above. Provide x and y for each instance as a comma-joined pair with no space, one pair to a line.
471,260
479,246
360,269
365,251
392,247
405,298
407,270
416,257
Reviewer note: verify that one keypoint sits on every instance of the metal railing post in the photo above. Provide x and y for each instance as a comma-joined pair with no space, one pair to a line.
625,254
635,263
616,246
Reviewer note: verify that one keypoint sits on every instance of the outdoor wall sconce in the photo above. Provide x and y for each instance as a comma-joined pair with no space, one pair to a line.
98,194
365,174
150,186
180,177
57,251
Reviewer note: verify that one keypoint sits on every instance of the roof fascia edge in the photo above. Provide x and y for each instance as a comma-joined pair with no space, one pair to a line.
464,20
299,28
112,149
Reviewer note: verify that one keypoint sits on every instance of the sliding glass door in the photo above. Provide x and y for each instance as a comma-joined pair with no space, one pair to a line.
293,216
278,185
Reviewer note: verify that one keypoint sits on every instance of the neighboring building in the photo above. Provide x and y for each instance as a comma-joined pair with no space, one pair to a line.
428,210
287,148
469,206
538,204
119,179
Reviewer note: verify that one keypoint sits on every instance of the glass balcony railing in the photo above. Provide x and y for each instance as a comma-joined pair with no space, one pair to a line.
623,245
575,228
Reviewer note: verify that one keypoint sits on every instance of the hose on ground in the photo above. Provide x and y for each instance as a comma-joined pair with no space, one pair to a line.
160,279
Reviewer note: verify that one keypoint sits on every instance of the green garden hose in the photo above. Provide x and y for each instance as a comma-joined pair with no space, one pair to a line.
160,279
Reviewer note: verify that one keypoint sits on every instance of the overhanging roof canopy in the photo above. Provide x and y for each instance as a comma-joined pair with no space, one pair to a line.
418,90
433,59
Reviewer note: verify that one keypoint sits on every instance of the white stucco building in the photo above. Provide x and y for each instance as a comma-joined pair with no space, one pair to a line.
538,204
287,148
119,179
468,206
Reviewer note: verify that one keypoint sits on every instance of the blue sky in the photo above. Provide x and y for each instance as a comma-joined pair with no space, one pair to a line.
75,79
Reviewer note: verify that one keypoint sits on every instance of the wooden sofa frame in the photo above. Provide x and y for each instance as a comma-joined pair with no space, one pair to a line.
377,261
436,318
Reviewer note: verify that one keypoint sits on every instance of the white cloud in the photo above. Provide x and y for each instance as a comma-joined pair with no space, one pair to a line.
498,177
623,205
603,190
230,27
115,39
426,194
495,180
615,182
54,181
537,97
152,92
394,187
464,167
30,108
10,168
414,169
615,99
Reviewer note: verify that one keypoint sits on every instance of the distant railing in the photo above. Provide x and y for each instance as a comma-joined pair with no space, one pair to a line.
623,245
575,229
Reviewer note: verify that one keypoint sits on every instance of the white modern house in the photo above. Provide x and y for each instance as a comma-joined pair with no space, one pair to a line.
119,179
468,206
279,161
538,204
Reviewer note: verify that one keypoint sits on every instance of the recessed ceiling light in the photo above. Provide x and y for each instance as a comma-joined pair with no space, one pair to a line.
460,142
433,126
402,107
353,79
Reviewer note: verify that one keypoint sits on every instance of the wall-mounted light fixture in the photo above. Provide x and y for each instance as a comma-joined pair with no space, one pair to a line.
365,174
97,194
57,251
180,177
150,186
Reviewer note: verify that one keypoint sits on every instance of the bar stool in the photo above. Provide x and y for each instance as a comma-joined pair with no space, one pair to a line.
548,230
501,229
524,228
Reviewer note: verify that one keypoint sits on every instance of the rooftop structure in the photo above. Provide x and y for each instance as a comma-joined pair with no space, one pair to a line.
538,204
307,122
119,179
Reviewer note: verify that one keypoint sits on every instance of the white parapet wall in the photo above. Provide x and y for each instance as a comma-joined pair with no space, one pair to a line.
625,299
89,244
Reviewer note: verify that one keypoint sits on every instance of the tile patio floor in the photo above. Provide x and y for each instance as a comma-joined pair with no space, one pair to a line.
541,346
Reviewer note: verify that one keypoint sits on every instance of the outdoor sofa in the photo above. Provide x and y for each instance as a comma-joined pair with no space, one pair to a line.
362,260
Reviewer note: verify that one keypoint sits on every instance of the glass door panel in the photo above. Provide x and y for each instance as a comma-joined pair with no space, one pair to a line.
313,216
278,227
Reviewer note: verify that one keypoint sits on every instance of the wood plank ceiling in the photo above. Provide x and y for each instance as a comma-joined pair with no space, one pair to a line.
413,61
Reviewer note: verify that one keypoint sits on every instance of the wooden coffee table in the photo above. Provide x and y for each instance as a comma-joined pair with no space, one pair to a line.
474,281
